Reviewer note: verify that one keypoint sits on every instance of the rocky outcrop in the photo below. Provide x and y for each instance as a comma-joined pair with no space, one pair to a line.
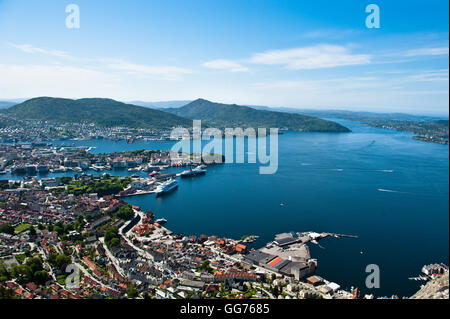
434,289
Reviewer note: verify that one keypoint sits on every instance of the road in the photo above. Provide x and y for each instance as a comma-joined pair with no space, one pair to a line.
112,258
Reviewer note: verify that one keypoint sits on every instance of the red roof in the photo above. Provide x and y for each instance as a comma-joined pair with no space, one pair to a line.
32,286
275,261
11,285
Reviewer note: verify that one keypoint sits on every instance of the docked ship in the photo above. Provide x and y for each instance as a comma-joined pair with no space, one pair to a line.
193,172
161,221
166,187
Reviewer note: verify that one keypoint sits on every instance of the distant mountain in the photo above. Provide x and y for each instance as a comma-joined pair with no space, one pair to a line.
103,112
6,104
359,116
232,115
162,104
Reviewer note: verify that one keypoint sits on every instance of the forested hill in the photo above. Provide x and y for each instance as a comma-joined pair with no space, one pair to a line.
103,112
232,115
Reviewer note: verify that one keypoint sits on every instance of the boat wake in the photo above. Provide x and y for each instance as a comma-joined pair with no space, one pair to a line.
391,191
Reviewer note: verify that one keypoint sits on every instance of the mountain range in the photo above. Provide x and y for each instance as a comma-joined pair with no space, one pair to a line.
231,115
103,112
108,113
161,104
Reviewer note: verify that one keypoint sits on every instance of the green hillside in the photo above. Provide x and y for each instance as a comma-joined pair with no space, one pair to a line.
103,112
232,115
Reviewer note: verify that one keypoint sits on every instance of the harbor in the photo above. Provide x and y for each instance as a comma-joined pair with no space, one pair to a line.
233,199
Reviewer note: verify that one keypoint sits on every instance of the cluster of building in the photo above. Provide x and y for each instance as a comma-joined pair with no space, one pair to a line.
15,130
433,270
146,256
42,158
144,259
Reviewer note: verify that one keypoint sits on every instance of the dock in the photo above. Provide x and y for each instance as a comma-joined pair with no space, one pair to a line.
137,194
339,235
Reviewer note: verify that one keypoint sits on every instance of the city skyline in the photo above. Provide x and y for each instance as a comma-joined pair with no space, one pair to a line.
302,55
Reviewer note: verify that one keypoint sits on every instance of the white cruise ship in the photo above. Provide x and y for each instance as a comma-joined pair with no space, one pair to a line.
166,187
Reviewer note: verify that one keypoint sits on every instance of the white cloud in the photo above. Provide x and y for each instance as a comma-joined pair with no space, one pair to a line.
28,48
428,51
162,71
402,93
166,72
330,33
313,57
229,65
54,80
430,76
336,84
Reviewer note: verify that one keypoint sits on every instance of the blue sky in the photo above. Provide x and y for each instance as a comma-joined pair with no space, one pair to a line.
307,54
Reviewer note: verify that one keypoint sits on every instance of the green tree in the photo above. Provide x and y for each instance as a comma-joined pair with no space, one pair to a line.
132,292
112,238
6,293
40,277
32,231
125,212
7,229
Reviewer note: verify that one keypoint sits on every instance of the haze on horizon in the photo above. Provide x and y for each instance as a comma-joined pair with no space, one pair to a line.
292,54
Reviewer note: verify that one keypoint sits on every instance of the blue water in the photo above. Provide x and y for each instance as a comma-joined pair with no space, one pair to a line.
326,183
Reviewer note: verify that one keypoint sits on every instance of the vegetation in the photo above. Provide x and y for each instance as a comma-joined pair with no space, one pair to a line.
226,115
31,271
103,112
206,267
132,292
20,258
21,228
110,113
6,293
434,130
112,237
107,185
125,212
58,260
79,223
7,229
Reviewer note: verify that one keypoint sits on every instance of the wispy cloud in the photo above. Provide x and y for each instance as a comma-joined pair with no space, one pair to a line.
427,51
28,48
329,33
319,85
163,71
56,80
228,65
430,76
167,72
313,57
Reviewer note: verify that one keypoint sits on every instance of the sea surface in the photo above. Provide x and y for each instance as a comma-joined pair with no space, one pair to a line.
381,185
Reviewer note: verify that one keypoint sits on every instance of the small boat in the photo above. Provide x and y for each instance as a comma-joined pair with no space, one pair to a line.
161,221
